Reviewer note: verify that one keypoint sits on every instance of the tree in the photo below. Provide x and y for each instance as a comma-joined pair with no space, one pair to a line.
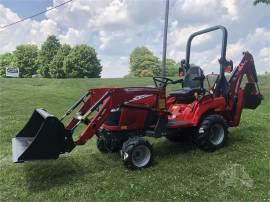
6,60
26,57
48,50
172,67
82,62
56,69
143,62
261,1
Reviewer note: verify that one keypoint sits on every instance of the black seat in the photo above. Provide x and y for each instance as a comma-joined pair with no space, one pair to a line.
192,83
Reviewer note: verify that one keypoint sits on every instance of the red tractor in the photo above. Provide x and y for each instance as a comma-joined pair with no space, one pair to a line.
121,117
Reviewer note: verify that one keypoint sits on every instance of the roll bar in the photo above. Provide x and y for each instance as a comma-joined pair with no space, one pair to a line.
222,59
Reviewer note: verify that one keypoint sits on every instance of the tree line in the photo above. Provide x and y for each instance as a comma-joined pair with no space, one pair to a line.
53,60
56,60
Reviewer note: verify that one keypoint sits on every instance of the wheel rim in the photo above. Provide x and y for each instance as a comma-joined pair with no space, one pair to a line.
217,134
141,155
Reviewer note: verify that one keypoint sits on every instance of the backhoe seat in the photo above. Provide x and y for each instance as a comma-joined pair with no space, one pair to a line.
185,95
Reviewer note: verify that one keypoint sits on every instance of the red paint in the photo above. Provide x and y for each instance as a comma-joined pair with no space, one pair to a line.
154,99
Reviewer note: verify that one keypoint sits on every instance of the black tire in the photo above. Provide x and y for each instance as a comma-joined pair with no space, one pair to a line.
137,153
110,142
101,145
212,133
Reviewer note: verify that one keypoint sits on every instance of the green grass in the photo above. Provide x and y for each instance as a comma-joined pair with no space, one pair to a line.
238,172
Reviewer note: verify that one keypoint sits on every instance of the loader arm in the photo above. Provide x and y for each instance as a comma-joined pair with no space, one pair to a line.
95,122
106,100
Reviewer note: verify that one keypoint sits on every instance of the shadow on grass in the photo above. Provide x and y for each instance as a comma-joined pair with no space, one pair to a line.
165,147
244,135
43,175
235,139
68,170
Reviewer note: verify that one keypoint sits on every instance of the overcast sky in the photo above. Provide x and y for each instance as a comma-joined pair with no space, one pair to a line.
114,28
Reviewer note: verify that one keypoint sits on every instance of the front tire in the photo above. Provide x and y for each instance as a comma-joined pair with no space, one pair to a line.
102,145
212,133
137,153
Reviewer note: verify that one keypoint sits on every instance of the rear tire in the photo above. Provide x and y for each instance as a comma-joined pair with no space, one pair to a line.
137,153
212,133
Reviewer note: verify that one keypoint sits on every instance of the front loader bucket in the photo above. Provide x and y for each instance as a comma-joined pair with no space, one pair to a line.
43,137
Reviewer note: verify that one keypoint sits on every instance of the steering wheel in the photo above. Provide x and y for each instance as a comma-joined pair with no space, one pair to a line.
162,80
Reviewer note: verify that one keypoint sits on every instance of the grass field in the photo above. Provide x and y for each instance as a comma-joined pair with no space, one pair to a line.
238,172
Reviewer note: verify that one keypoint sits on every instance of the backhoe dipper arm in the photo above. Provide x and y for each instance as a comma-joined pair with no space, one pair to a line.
250,97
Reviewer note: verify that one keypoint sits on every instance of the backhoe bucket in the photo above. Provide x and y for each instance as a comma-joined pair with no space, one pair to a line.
251,101
43,137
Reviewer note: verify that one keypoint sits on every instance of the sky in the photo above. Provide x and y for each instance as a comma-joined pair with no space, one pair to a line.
114,28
